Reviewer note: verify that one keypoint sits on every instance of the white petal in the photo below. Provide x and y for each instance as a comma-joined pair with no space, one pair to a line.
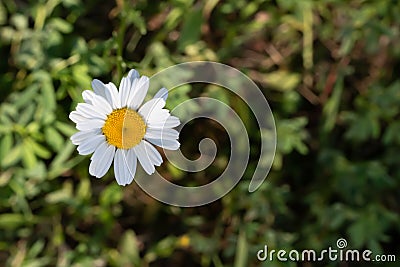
101,160
119,166
162,93
124,159
80,137
112,95
139,92
101,104
99,87
99,152
89,145
161,133
133,74
106,161
124,90
132,91
167,144
143,158
153,154
132,160
87,96
157,116
170,122
96,157
90,111
76,117
153,106
90,124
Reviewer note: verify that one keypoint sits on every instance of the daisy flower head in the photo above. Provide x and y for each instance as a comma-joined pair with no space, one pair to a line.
115,126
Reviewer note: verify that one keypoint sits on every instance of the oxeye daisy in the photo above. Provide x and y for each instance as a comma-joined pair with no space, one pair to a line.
115,126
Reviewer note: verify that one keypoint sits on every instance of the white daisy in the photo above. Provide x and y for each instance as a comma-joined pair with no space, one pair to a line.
114,125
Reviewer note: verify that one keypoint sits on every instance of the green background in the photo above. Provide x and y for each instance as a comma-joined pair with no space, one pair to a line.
329,69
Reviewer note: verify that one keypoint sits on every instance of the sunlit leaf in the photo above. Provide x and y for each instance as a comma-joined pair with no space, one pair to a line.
282,80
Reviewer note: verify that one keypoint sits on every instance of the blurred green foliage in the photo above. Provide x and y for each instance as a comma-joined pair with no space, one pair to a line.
328,68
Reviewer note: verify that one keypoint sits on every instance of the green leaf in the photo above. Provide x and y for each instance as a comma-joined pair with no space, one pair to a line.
28,155
54,138
111,195
282,80
39,150
19,21
358,232
331,107
391,134
38,172
241,251
61,163
173,18
26,115
49,98
65,129
13,157
5,146
135,17
60,25
11,220
63,155
191,29
3,14
84,190
363,126
62,195
36,249
163,248
26,96
81,76
129,249
291,135
38,262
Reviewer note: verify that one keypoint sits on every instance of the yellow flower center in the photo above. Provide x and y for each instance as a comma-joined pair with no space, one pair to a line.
124,128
